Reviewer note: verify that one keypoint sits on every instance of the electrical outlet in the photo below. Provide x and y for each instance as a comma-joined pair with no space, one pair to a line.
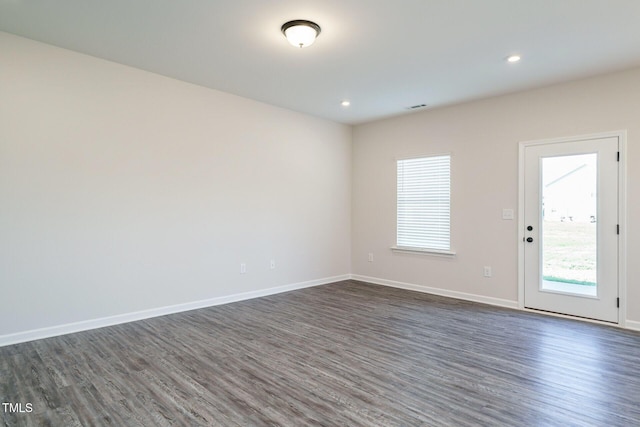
243,268
370,257
487,271
272,264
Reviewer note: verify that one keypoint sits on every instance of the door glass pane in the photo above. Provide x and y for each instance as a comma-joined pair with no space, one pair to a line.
569,226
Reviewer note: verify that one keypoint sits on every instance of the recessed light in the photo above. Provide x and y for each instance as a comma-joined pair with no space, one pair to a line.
345,103
513,58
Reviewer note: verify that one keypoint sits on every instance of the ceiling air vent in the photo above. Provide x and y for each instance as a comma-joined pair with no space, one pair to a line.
416,107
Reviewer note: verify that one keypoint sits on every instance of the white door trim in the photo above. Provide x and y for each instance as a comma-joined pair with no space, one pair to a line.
622,212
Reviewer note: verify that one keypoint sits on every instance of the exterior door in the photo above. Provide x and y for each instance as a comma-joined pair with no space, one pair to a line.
571,228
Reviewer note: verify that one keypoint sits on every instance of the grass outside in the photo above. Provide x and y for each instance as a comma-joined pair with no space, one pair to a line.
570,252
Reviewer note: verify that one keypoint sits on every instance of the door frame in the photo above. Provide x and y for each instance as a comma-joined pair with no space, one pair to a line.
622,217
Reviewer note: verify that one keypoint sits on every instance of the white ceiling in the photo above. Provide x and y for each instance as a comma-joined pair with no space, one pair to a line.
382,55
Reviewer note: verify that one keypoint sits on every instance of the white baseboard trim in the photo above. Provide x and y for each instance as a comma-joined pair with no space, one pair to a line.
85,325
438,291
632,324
628,324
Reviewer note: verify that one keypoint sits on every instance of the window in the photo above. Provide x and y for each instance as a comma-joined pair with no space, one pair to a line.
424,194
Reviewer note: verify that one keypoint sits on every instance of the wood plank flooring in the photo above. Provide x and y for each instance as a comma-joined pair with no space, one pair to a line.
345,354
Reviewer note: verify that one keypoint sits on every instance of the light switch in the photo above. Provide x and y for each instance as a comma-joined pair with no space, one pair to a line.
507,213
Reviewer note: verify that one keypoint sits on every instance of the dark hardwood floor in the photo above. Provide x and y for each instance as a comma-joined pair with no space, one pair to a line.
345,354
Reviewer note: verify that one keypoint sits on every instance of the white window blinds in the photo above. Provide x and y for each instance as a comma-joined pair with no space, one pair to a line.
424,194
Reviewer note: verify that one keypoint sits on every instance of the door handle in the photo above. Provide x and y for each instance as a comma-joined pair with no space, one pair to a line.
529,239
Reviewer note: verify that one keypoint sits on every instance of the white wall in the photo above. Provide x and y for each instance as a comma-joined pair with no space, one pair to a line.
483,139
122,190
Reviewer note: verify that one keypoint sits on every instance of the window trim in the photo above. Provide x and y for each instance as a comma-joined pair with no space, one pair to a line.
422,251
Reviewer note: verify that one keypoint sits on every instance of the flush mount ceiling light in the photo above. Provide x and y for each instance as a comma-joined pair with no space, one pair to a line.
300,33
513,58
345,103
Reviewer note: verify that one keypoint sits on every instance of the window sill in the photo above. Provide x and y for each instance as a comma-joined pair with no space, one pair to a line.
422,251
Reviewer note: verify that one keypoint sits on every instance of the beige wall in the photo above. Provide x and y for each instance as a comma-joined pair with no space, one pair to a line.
483,138
123,191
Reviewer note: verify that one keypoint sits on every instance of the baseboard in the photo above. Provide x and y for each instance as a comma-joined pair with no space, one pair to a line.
70,328
438,291
632,324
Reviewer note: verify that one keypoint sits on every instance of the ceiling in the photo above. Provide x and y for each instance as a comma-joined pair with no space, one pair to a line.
382,55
